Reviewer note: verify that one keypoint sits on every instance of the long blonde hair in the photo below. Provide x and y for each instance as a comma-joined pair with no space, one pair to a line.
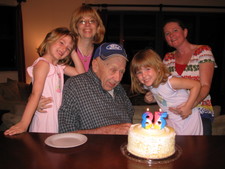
53,36
86,10
147,58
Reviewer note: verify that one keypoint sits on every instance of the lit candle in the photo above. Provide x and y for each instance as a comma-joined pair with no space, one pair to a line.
147,119
160,121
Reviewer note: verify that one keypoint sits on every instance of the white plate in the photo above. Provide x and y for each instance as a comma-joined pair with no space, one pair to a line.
66,140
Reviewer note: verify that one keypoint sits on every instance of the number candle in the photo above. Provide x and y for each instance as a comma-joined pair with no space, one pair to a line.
147,119
160,121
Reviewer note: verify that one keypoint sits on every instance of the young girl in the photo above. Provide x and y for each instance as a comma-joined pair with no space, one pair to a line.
89,30
47,78
149,73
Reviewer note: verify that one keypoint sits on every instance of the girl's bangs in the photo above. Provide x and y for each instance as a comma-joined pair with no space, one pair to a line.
139,64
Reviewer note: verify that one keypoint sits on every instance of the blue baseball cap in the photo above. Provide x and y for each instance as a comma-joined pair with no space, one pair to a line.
106,50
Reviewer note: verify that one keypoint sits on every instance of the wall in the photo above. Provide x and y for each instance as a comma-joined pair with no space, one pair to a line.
40,16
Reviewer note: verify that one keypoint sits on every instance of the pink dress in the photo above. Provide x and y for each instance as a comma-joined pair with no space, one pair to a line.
48,122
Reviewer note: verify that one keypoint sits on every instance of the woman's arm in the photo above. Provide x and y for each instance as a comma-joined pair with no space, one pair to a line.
206,71
193,86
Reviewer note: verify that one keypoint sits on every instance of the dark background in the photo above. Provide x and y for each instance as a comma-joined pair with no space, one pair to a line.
139,30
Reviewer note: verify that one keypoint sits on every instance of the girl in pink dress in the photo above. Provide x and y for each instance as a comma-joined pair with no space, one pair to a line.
148,73
47,78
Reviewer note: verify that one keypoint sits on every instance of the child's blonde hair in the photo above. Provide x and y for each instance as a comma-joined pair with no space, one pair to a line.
86,10
51,37
147,58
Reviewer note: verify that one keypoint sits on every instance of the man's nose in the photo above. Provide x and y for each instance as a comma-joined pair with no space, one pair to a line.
118,76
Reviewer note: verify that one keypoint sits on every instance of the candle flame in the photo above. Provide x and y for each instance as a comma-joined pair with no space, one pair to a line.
147,109
160,110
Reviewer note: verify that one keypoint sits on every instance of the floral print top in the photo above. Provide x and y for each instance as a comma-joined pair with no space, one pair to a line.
202,54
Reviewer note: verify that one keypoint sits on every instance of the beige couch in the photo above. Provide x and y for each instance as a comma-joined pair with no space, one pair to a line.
218,125
13,98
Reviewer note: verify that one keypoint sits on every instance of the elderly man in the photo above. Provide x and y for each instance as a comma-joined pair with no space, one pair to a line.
95,102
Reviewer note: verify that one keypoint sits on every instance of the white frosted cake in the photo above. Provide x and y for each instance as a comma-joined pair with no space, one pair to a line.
151,143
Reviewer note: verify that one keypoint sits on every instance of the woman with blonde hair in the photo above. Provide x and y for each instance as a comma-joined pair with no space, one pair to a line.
89,30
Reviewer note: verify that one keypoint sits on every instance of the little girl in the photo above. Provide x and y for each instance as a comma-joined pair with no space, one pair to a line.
47,78
149,73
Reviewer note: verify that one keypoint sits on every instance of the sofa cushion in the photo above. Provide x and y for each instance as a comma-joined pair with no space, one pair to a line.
25,90
10,90
218,125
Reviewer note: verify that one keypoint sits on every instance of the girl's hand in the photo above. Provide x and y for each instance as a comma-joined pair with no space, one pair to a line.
16,129
149,97
74,54
79,67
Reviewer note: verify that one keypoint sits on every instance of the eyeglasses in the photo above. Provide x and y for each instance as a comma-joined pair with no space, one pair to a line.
84,22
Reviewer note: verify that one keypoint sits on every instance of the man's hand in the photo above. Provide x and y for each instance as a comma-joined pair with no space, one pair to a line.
149,98
120,129
44,104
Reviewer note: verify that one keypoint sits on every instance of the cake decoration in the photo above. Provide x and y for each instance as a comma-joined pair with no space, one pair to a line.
147,118
153,138
159,120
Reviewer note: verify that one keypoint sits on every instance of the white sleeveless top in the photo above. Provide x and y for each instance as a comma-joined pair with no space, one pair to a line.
167,97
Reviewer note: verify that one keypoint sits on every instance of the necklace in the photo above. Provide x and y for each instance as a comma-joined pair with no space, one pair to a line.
85,57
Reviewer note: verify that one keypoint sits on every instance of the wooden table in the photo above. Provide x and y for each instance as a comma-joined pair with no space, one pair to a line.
28,151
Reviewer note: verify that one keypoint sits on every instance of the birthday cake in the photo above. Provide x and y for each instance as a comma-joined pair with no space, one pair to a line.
151,140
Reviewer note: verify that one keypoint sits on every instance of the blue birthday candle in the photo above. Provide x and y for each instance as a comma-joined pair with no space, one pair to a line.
147,119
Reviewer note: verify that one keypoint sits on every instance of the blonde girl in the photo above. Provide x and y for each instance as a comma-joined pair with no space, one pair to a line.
47,79
148,73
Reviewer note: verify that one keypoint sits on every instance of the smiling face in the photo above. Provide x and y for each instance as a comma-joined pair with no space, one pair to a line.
60,48
174,34
93,32
147,68
109,71
146,75
87,27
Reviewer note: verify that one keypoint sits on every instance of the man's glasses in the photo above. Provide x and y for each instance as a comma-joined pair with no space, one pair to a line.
84,22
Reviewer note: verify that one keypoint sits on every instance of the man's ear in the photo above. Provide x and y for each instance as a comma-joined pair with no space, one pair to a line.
95,65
